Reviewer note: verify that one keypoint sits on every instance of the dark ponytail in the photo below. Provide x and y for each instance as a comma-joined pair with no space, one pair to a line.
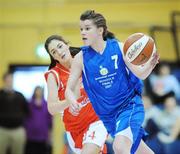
108,35
74,50
99,20
53,62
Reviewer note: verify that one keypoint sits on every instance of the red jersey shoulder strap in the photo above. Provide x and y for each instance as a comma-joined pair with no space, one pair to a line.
56,76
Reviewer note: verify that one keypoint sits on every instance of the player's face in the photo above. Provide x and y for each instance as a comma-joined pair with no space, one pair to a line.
59,51
89,32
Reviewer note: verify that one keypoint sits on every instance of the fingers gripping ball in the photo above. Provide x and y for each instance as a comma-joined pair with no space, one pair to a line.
138,48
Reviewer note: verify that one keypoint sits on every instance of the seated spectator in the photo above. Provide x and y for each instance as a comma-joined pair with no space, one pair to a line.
151,113
163,83
169,121
38,124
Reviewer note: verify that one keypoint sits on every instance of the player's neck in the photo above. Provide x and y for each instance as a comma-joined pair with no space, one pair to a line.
99,46
67,65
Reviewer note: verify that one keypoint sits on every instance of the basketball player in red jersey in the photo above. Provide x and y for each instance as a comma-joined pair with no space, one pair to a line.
85,132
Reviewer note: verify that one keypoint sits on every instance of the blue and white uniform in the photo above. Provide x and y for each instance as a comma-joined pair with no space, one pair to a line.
114,91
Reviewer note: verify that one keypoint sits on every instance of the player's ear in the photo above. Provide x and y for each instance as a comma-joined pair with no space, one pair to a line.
100,30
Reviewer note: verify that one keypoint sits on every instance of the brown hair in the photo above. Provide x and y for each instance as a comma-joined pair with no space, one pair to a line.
99,20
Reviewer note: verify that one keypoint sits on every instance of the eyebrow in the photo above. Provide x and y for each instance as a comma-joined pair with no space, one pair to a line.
87,25
52,50
58,44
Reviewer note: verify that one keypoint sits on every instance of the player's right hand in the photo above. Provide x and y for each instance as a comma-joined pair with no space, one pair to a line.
155,60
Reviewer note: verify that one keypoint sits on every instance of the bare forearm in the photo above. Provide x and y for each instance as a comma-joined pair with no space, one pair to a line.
56,107
141,72
144,71
74,107
70,96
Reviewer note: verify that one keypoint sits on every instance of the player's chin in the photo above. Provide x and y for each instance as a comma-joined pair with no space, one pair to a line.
65,60
86,43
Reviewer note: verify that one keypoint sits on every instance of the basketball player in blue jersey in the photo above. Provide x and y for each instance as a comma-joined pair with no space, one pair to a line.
112,84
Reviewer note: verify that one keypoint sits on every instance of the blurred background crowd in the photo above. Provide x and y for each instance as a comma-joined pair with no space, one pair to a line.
26,127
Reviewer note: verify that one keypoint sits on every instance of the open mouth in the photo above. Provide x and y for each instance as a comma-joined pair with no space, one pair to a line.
84,38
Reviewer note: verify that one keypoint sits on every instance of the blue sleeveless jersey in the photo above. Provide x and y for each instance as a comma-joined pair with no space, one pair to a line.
107,81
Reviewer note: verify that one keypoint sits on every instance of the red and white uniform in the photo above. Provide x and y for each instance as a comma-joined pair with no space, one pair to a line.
84,128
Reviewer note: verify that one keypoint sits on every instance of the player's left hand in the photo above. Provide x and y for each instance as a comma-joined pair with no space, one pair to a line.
74,109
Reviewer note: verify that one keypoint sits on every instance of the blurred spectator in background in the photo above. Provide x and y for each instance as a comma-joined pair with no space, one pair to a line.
13,110
38,124
166,125
163,83
168,120
152,113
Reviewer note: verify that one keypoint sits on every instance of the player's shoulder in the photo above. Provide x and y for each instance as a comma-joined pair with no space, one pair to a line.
121,44
50,74
116,41
50,71
53,75
78,60
84,48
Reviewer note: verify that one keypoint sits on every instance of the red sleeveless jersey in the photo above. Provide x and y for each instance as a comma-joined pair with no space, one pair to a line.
74,124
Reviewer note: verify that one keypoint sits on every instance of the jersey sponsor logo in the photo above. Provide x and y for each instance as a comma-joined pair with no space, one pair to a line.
133,51
84,102
106,80
107,77
103,70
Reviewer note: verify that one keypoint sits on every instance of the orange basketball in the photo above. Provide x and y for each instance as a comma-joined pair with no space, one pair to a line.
138,48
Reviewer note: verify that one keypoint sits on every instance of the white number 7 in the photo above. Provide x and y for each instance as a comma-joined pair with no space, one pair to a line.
115,58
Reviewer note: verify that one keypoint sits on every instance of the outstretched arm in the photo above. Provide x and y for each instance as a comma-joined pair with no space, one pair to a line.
54,104
76,71
142,71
